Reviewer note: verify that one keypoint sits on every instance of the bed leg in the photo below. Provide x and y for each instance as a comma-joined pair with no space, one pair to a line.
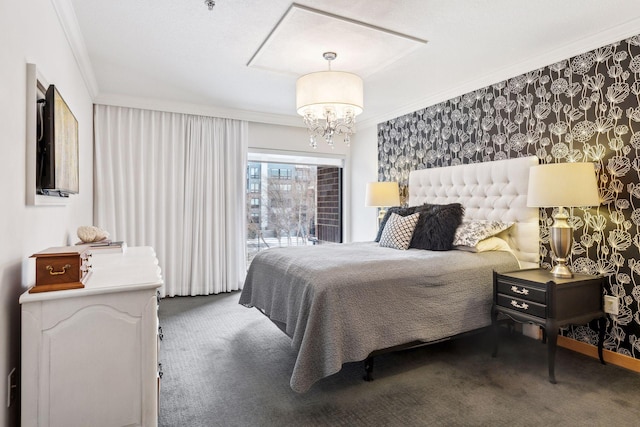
368,369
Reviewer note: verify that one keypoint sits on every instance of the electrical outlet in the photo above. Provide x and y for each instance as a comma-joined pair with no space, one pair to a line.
12,387
611,305
531,331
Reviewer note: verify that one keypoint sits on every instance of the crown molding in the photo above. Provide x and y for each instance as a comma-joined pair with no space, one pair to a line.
585,44
69,23
197,109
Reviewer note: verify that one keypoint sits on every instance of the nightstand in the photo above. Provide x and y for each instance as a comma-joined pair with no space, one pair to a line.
535,296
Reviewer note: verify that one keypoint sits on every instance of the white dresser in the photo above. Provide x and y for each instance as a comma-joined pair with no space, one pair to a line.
90,355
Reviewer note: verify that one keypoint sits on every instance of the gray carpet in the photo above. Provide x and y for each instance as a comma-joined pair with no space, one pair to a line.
226,365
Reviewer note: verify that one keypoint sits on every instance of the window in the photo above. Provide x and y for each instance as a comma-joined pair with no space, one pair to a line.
285,213
281,173
254,172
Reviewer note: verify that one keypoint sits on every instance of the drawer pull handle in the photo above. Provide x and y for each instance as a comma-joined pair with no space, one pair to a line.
56,273
523,306
524,291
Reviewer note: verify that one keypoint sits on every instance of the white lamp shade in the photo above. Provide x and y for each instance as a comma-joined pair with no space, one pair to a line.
563,185
334,89
382,194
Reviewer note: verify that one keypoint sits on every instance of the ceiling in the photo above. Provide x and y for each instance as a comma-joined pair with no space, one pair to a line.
242,58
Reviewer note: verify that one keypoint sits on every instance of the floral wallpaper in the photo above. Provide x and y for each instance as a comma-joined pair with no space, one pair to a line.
582,109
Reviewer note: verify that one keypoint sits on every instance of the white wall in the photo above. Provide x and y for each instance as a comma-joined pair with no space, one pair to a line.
30,32
290,138
363,164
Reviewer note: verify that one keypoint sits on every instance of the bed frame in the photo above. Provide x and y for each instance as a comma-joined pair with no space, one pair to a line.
488,191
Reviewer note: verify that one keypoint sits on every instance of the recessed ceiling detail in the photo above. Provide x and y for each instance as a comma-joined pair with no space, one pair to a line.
296,44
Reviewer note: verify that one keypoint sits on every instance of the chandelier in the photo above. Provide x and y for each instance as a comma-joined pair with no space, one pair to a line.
329,102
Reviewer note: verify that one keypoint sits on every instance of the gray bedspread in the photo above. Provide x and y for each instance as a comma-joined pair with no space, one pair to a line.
341,302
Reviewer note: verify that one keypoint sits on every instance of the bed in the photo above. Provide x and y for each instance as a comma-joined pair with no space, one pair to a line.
346,302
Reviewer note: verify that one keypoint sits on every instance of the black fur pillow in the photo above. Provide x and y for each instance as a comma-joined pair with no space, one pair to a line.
397,210
437,226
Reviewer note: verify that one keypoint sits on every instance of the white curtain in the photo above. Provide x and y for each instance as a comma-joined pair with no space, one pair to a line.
175,182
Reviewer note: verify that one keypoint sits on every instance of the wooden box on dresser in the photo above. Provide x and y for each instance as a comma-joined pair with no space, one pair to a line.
90,356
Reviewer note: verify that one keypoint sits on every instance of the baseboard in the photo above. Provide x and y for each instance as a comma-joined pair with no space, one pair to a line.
609,356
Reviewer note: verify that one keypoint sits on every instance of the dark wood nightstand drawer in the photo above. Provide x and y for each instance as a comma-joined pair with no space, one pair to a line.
522,306
518,290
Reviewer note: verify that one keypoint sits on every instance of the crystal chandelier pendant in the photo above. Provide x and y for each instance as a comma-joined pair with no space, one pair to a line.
329,101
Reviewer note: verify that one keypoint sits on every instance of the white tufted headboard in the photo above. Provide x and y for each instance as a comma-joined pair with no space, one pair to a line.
490,191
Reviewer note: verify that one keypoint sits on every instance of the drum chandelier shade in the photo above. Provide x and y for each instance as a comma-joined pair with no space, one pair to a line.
329,89
329,101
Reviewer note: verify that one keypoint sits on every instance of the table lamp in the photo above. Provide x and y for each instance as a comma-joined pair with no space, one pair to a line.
382,195
562,185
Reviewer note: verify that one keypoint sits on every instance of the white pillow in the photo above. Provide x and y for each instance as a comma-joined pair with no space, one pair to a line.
471,232
488,244
398,231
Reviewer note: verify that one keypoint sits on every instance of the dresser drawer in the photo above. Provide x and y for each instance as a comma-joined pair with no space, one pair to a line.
525,292
522,306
